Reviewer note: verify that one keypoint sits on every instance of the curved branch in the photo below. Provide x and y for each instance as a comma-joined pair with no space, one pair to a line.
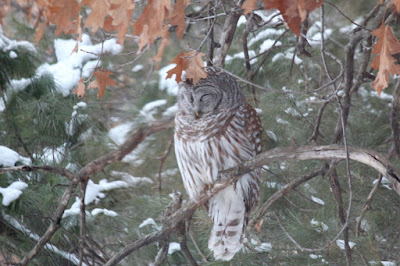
329,152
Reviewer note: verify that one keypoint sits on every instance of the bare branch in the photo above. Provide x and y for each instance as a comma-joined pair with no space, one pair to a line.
162,161
54,225
44,168
260,213
395,120
125,148
227,33
367,204
365,156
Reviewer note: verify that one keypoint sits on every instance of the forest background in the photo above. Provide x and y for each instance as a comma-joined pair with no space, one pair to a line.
87,169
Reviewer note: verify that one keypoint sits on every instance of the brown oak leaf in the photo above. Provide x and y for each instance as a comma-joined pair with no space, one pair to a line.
152,21
258,225
386,46
63,13
80,90
100,9
293,11
120,15
102,81
190,62
178,19
249,6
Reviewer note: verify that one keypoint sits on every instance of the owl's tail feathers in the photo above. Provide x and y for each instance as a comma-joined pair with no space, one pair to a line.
227,210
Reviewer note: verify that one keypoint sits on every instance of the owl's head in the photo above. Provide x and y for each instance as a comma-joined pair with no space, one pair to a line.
218,92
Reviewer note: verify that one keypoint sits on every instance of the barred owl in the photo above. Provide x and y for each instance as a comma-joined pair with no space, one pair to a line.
216,129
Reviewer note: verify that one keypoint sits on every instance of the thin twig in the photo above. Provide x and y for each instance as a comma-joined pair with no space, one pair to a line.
395,120
344,15
83,220
367,204
205,260
246,32
334,179
316,132
162,161
260,213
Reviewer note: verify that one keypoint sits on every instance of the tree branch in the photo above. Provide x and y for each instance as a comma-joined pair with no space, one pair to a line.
395,120
83,175
365,156
125,148
227,33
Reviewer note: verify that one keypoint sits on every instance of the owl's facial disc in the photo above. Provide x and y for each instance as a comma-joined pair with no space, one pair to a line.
205,100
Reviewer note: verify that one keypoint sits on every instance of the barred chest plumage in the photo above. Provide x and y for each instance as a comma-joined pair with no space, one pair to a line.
206,146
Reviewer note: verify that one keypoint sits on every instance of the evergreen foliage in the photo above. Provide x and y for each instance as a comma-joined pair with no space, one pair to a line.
50,129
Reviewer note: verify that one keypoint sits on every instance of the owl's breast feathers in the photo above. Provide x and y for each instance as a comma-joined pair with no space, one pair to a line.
208,145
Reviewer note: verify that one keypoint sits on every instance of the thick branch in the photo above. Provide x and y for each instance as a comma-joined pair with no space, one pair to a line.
227,33
365,156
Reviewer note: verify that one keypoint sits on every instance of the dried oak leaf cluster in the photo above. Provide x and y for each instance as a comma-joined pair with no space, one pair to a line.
159,15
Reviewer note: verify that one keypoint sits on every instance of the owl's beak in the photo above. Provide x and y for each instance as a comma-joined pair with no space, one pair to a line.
198,114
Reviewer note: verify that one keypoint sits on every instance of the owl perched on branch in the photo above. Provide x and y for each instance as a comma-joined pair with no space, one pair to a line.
216,129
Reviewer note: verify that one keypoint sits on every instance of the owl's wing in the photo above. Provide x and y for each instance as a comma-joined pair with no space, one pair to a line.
231,207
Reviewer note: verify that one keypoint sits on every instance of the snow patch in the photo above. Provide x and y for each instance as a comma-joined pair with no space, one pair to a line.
53,155
293,112
169,85
20,84
137,68
315,33
319,226
131,180
69,67
10,45
94,193
173,247
8,157
12,192
240,55
269,32
151,222
118,134
13,54
272,135
282,121
287,55
384,183
267,44
171,111
150,109
2,105
89,68
340,244
317,200
106,212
